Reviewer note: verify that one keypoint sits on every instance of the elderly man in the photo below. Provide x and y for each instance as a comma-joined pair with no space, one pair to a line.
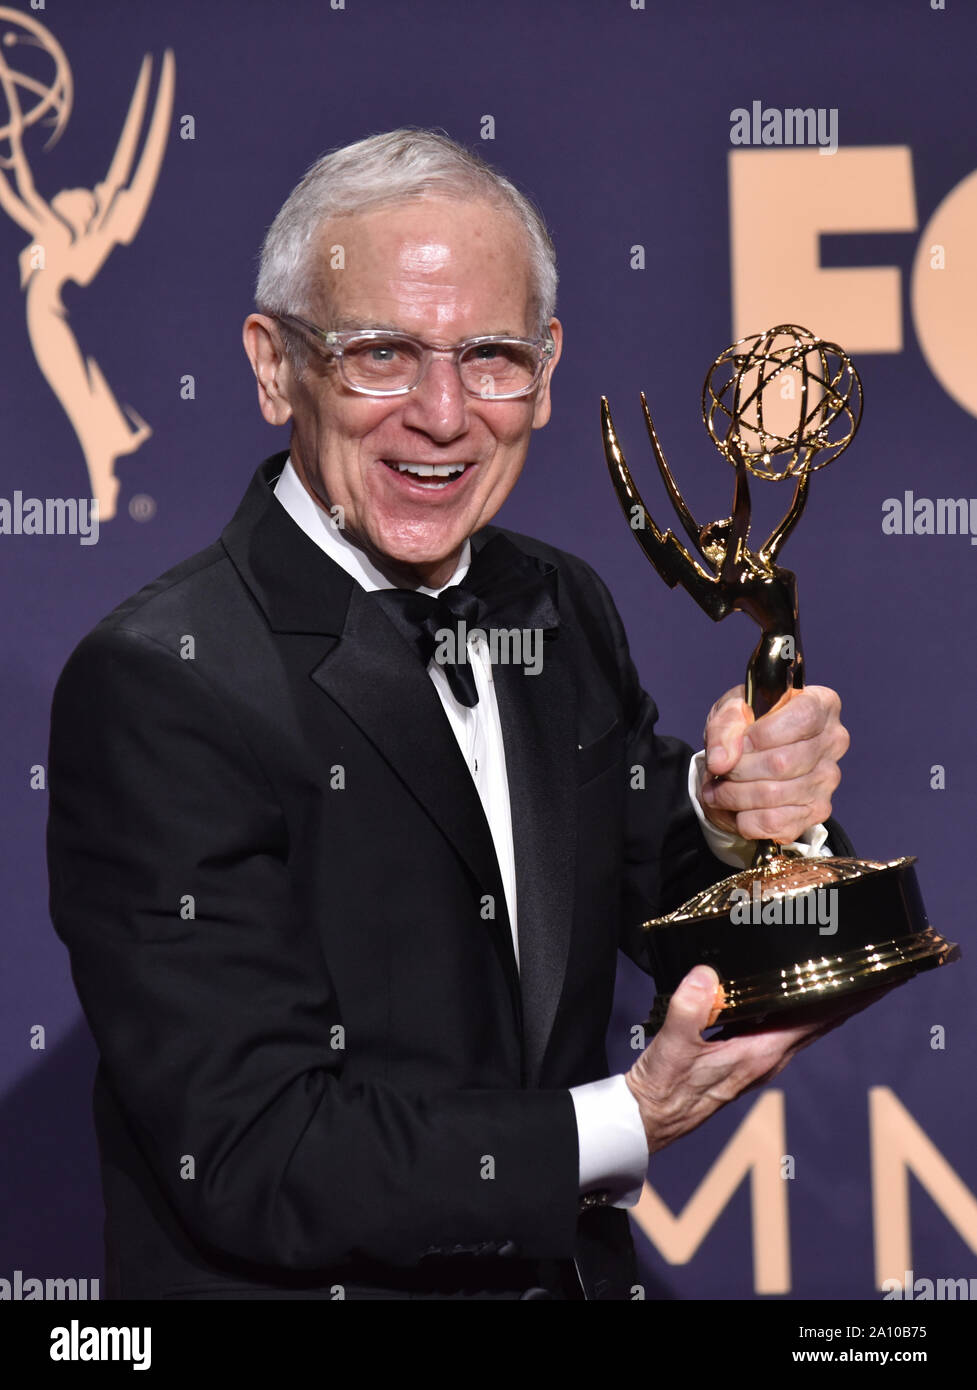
343,908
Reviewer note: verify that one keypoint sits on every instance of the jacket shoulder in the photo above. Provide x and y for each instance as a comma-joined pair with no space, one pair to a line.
578,581
183,594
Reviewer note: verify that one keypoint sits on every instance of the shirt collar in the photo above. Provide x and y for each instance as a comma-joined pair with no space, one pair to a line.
319,526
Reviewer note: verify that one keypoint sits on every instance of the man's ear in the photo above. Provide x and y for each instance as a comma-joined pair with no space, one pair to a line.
263,344
541,411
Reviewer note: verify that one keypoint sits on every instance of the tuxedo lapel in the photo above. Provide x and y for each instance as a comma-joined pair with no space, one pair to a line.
373,675
538,717
378,680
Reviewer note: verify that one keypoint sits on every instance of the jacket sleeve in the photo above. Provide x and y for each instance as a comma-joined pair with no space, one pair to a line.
213,1009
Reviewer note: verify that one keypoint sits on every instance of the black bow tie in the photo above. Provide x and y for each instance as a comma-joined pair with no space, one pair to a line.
504,588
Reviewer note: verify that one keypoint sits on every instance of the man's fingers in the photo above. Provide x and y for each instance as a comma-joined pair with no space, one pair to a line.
786,761
807,1022
788,741
810,1021
797,793
770,810
785,824
803,715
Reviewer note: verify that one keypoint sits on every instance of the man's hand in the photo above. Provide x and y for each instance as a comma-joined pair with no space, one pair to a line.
773,778
680,1080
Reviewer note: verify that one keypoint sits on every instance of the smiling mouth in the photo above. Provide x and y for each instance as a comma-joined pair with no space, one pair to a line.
432,476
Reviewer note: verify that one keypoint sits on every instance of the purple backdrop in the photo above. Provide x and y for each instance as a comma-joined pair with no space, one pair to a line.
617,121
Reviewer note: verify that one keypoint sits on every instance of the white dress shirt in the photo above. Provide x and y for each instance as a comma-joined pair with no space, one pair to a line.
613,1148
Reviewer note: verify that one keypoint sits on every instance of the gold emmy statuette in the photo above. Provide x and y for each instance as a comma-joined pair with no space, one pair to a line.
790,930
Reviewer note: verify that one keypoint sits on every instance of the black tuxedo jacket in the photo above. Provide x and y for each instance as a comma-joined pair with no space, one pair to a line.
321,1073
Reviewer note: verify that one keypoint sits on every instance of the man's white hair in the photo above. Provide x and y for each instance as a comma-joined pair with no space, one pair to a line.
387,169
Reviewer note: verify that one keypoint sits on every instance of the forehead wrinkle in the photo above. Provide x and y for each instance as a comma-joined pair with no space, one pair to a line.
345,323
397,306
420,277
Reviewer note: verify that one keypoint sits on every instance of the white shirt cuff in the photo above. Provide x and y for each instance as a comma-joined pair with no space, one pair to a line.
612,1140
731,848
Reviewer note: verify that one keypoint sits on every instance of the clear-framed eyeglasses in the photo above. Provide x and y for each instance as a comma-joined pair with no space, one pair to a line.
382,362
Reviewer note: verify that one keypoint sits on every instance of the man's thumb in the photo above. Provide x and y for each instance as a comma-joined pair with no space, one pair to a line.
696,1002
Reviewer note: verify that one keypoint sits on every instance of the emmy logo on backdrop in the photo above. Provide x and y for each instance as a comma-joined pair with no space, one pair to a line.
74,233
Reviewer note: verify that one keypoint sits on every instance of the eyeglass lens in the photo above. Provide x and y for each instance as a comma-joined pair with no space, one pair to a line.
486,369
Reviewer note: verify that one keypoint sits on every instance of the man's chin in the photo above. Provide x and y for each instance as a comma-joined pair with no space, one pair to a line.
417,560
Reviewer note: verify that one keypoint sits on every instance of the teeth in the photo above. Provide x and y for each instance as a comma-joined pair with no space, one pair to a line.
430,470
447,471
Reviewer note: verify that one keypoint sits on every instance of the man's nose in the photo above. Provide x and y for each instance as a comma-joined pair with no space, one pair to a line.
439,405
